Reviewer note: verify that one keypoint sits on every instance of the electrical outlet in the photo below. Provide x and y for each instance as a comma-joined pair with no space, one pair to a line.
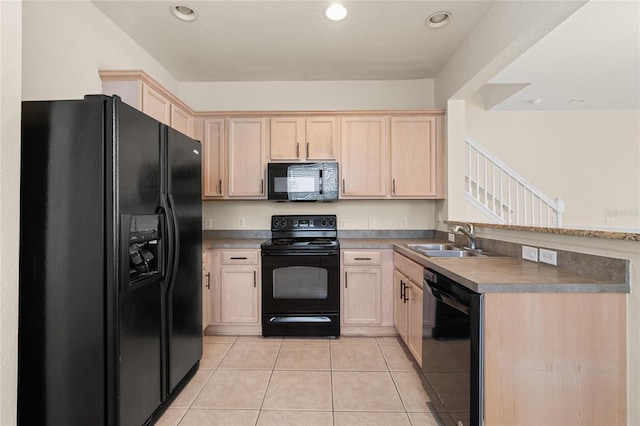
208,224
549,256
403,223
530,253
452,237
372,223
241,222
343,223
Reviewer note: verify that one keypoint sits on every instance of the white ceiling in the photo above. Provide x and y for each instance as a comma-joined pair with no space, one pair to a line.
593,55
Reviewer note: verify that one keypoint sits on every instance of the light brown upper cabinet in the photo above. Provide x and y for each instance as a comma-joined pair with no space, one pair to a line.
142,92
214,183
364,157
304,139
416,157
246,148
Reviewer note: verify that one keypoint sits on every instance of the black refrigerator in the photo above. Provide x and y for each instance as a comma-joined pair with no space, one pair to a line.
110,312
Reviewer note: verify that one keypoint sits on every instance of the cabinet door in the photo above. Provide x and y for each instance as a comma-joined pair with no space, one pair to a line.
181,120
213,158
413,157
206,288
361,296
156,105
414,326
247,138
287,136
239,295
400,309
321,139
364,154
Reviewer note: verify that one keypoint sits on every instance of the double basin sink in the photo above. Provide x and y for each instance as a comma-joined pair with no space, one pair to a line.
449,250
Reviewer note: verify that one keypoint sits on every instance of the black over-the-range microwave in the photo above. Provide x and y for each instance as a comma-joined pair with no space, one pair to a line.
302,181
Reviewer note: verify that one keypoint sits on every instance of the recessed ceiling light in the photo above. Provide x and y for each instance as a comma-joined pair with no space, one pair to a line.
438,19
537,101
576,101
184,13
336,12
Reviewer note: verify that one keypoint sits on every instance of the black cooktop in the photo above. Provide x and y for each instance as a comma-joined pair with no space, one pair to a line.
303,232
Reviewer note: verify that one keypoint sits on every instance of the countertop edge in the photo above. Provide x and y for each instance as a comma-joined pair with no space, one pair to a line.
513,287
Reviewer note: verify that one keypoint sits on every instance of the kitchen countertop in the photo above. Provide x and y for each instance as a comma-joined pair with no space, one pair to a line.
482,275
233,243
509,275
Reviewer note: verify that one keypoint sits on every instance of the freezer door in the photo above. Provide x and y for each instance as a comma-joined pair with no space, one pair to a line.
184,291
61,352
140,313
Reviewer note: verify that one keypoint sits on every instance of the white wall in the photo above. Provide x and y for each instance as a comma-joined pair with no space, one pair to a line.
503,34
352,214
66,43
308,95
10,87
590,159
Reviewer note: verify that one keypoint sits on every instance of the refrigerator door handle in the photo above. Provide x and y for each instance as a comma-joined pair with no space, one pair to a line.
176,243
169,237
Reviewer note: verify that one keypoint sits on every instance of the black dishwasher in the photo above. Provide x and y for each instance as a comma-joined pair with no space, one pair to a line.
452,353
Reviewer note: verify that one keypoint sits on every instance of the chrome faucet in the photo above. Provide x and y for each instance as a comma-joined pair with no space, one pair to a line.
469,234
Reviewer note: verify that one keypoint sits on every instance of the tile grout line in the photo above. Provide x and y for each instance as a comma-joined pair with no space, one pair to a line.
273,367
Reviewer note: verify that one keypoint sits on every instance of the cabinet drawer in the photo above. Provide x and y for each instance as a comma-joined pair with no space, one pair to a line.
240,257
352,258
409,268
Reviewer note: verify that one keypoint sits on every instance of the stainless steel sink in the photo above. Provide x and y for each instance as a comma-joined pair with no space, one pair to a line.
420,247
448,250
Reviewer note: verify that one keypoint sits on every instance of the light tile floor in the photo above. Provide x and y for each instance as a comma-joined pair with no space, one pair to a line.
295,381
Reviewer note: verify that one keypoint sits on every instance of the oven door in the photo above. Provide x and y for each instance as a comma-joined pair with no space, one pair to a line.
300,283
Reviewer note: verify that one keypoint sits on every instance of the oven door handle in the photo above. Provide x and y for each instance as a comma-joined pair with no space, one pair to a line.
448,300
301,253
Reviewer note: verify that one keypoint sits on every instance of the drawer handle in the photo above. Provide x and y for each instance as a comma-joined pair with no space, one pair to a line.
362,258
238,258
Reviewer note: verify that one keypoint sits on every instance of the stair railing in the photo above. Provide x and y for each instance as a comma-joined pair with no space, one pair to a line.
505,196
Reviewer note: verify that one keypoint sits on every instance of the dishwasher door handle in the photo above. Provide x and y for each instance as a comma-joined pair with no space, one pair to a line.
448,300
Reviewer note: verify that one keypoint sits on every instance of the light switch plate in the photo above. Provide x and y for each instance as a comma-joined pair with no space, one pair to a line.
530,253
452,237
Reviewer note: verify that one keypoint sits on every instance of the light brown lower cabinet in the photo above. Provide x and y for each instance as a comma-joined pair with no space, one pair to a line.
365,294
555,359
235,291
408,309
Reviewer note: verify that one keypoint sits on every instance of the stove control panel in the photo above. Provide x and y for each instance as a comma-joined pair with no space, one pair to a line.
298,222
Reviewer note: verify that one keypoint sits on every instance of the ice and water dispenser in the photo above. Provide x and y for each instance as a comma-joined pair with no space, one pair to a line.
144,240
